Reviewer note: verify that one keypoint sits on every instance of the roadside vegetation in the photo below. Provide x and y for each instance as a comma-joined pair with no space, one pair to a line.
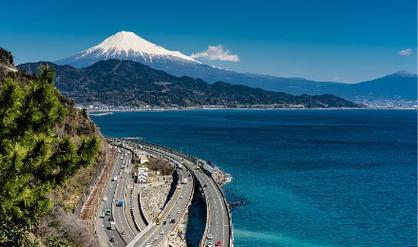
157,164
47,149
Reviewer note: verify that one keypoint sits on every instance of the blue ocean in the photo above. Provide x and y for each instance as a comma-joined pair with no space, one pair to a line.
308,177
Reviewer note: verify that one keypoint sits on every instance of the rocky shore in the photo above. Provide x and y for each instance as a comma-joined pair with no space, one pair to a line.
221,177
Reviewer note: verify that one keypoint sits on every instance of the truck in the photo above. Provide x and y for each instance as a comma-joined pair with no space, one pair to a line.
112,225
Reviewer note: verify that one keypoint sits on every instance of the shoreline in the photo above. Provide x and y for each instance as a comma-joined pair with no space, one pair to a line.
103,112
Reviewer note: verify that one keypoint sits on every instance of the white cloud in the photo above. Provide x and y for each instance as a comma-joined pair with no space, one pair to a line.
406,52
217,52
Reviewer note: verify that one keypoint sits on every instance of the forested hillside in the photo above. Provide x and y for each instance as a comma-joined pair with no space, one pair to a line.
131,84
44,145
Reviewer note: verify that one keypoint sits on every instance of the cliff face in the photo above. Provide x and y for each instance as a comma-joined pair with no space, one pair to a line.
49,154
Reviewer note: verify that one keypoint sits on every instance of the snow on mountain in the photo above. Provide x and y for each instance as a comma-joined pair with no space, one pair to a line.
126,46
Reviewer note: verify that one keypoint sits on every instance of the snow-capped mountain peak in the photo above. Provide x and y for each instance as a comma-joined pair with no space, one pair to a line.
126,45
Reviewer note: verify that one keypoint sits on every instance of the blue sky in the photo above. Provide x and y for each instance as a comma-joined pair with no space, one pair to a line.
329,40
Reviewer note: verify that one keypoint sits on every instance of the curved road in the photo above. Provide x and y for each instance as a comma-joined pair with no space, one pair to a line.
217,230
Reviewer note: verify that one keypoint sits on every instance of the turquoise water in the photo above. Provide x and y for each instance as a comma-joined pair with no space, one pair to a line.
310,178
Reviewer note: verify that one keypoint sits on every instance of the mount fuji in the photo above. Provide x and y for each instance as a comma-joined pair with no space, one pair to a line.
129,46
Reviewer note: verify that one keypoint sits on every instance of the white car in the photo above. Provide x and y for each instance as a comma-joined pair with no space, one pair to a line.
209,236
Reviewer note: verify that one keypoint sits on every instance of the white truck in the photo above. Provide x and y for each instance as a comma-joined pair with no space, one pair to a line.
112,225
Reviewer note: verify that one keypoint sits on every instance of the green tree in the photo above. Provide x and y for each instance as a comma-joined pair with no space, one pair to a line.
33,157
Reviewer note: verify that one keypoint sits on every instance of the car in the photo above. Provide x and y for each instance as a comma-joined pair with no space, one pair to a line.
173,221
120,203
107,212
204,186
105,198
164,222
112,239
209,243
209,236
218,243
162,233
178,212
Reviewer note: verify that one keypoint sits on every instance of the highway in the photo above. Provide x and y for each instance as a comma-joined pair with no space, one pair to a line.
119,213
157,231
217,219
113,236
218,228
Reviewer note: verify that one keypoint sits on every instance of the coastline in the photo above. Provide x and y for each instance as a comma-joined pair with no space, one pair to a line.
109,111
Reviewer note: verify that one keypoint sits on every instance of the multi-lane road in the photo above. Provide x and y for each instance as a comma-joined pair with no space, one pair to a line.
125,231
109,211
218,229
157,234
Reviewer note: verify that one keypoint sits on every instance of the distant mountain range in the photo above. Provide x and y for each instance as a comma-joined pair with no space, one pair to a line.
131,84
128,46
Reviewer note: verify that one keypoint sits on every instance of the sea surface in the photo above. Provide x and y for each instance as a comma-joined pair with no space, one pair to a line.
308,177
